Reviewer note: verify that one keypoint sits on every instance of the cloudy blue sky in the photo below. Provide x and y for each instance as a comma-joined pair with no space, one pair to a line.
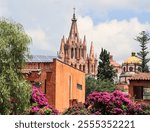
111,24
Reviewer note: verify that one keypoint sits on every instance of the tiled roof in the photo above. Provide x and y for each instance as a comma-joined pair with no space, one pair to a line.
140,76
40,58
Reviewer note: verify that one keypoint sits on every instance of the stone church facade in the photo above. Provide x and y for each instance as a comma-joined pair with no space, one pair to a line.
73,51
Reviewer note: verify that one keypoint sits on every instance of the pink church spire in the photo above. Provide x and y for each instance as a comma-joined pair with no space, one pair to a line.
91,51
74,35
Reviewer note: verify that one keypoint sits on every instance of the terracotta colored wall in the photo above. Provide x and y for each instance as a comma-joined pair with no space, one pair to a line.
57,76
63,73
48,74
51,85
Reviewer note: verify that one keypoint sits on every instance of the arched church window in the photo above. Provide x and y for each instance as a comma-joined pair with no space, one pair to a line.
75,66
84,68
76,53
79,53
83,53
80,67
124,69
71,52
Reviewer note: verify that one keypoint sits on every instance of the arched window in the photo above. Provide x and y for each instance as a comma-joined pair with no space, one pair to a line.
79,53
71,52
83,53
75,66
84,68
130,69
76,53
124,69
80,67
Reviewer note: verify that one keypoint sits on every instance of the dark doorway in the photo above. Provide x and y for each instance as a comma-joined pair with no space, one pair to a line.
138,92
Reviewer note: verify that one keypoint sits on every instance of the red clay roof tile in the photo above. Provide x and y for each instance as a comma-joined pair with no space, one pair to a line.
140,76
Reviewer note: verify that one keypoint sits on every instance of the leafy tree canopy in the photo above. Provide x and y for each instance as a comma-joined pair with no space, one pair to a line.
105,69
93,84
143,39
15,92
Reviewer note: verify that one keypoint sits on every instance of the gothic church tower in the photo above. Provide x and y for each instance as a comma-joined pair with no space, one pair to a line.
73,51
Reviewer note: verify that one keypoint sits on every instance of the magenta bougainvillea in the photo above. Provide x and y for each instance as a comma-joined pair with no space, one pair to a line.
39,103
106,103
115,103
97,103
77,109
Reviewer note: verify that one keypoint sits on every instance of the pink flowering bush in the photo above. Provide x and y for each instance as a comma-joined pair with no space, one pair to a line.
39,104
115,103
39,97
77,109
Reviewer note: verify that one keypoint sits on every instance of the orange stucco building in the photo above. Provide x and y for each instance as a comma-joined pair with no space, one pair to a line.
63,84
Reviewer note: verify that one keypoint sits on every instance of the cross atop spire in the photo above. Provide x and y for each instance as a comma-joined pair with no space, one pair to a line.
74,30
74,9
74,15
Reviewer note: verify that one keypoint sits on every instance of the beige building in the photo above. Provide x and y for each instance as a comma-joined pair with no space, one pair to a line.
73,51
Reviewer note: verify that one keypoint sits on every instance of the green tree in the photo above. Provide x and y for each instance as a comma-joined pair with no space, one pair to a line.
15,92
143,39
99,85
105,69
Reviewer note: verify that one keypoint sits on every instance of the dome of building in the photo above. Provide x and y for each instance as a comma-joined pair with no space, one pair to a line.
133,59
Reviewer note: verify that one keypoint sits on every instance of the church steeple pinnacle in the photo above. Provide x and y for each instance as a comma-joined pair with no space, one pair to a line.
84,41
74,30
61,51
91,51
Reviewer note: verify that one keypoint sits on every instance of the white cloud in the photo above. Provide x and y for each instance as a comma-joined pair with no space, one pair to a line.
115,36
39,39
40,42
